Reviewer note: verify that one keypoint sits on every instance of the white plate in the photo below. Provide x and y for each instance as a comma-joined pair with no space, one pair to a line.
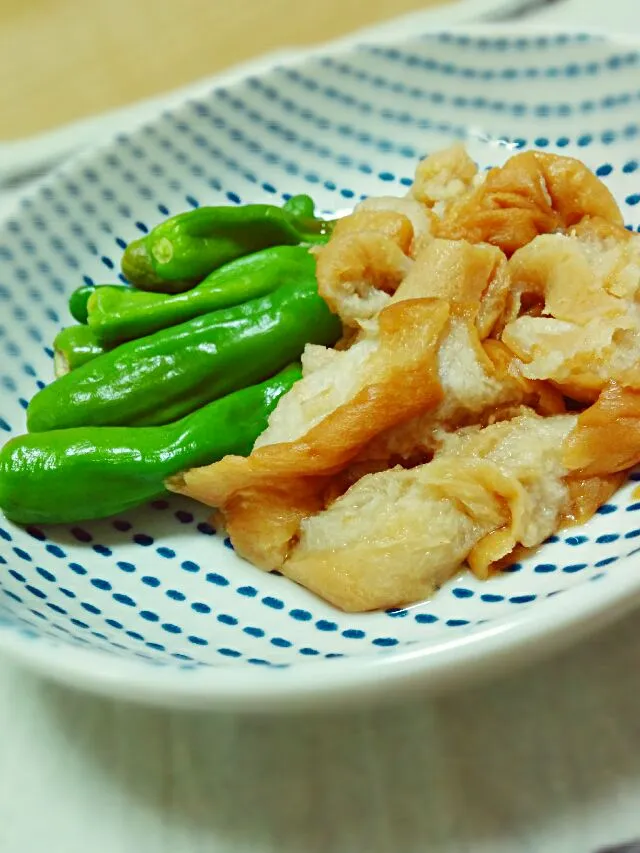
151,606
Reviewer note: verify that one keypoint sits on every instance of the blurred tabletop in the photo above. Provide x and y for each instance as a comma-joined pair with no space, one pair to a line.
65,59
546,760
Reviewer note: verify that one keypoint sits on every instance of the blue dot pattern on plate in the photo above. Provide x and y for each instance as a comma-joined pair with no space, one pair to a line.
159,585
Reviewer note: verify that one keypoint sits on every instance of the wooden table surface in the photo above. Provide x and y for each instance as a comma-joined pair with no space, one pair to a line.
64,59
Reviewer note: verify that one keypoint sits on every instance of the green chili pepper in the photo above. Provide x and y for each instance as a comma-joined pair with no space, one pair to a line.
160,378
121,314
93,472
74,346
179,252
79,299
300,206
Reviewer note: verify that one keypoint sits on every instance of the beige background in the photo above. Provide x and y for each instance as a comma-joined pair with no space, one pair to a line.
63,59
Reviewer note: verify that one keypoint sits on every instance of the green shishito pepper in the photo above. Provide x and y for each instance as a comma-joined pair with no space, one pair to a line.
74,346
92,472
79,299
300,206
160,378
117,314
181,251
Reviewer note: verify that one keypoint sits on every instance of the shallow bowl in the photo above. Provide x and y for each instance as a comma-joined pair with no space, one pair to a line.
155,606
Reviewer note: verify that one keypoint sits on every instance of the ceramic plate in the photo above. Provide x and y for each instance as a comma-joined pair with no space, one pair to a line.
154,605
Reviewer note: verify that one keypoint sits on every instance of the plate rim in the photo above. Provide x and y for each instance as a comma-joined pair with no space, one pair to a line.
461,661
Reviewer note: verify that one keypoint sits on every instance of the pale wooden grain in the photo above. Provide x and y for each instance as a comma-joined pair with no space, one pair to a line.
63,59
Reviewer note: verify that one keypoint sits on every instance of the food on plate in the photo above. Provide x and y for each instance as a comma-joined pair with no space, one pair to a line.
335,411
117,314
79,299
364,263
162,377
417,368
606,439
585,329
444,176
533,193
73,347
46,477
142,411
452,425
179,252
397,535
469,378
